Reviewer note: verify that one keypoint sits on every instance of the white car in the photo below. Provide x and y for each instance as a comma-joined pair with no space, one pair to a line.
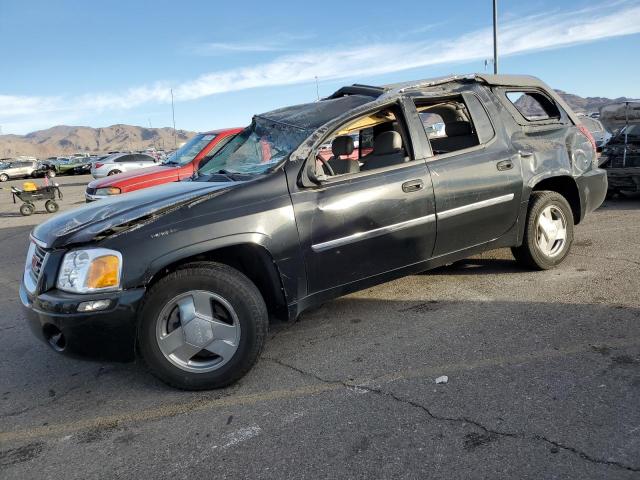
17,169
121,162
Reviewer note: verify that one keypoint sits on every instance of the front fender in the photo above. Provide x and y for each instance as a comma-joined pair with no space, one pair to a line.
204,247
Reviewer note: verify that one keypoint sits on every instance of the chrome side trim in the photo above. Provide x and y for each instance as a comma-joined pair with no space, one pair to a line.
376,232
475,206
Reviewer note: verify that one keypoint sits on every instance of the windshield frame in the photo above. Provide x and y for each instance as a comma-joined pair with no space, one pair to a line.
244,139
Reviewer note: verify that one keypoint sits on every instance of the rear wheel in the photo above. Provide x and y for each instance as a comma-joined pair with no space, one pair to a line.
4,177
202,326
548,233
51,206
113,172
52,173
27,209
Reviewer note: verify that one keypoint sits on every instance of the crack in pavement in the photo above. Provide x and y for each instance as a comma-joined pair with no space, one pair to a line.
463,420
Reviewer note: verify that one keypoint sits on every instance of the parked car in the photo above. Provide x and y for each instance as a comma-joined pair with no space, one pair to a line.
17,169
68,165
121,162
621,156
598,132
84,165
178,166
189,272
44,167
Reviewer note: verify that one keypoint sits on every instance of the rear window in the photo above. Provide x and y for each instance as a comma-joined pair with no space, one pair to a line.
533,106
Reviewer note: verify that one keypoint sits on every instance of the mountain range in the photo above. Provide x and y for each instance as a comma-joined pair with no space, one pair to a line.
65,140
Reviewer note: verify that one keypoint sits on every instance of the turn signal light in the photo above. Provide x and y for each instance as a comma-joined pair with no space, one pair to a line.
103,272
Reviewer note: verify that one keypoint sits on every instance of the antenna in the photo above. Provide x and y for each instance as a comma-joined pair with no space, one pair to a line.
173,114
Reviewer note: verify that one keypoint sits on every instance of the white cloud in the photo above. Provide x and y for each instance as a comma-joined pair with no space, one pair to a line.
277,42
222,48
527,34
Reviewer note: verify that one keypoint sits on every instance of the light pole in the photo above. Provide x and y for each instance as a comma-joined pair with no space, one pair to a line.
495,37
173,115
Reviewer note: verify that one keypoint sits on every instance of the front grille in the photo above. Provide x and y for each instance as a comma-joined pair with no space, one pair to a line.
37,262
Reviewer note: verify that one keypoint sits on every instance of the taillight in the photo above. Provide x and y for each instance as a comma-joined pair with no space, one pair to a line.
587,134
594,155
98,164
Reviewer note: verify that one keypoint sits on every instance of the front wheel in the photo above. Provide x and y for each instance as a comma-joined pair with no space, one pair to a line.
113,172
548,233
202,326
4,177
52,173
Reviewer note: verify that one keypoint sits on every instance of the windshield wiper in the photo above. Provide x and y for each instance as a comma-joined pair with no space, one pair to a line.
224,175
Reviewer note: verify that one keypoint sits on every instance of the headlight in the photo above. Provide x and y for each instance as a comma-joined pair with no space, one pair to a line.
90,270
108,191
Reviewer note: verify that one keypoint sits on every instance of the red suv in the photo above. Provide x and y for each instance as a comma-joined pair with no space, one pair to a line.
179,165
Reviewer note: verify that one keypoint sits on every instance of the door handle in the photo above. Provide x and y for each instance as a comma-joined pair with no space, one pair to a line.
412,186
525,153
504,165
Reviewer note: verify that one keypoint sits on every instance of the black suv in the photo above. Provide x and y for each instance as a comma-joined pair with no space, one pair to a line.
420,174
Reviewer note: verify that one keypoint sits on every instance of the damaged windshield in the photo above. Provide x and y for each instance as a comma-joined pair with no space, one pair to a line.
257,149
189,150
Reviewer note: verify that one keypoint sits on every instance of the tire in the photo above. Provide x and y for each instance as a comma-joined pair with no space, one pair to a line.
4,177
52,173
531,253
113,172
159,316
51,206
27,209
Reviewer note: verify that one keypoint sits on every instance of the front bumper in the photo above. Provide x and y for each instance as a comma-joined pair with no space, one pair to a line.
592,188
108,334
92,198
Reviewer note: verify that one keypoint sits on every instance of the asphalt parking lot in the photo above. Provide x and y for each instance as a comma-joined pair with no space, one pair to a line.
543,368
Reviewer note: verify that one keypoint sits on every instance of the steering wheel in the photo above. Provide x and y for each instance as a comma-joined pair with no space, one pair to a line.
326,164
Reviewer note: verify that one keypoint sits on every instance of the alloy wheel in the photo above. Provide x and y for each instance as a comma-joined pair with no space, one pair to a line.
198,331
551,231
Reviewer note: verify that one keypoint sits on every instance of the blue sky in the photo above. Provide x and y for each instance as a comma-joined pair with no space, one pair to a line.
101,63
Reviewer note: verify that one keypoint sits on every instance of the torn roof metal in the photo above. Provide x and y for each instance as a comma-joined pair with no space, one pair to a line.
516,81
314,115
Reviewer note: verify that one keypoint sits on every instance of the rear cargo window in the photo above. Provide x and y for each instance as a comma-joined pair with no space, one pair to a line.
533,106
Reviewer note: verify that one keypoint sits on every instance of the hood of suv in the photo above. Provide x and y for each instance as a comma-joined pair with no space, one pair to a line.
86,223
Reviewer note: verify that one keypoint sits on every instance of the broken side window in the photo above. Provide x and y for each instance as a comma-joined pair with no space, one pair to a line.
533,106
